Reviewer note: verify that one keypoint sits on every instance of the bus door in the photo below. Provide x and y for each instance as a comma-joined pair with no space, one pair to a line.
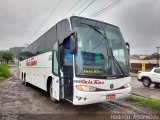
68,70
55,70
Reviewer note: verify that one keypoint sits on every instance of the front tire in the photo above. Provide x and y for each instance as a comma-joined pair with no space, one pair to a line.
146,82
51,93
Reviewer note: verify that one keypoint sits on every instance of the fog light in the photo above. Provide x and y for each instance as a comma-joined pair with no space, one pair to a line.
79,98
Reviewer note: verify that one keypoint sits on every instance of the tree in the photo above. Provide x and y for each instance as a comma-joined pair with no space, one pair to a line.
7,55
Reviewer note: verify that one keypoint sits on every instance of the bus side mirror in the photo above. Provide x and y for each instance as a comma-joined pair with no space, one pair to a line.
73,43
128,47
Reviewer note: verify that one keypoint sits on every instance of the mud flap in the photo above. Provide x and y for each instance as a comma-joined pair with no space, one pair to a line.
56,86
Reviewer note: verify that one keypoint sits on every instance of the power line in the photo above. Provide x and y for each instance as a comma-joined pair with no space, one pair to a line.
108,1
104,8
80,6
45,20
107,7
86,7
72,8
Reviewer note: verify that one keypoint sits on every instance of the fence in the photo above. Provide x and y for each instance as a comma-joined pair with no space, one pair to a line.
135,67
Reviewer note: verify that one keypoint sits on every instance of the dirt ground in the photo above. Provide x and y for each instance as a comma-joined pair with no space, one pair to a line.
15,98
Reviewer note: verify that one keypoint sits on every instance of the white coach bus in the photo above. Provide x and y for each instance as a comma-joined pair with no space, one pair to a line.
81,60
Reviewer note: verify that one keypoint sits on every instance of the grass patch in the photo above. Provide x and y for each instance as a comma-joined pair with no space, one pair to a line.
146,102
2,78
4,71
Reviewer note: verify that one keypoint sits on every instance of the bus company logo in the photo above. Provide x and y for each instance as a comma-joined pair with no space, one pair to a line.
91,82
111,86
31,62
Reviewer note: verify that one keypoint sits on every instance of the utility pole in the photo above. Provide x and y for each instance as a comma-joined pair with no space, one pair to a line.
158,56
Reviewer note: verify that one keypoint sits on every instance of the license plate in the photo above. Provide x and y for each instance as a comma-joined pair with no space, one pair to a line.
111,96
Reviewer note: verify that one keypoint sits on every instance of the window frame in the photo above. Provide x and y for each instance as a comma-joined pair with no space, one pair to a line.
58,59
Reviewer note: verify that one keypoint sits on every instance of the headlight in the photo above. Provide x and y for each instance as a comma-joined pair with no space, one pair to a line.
85,88
127,85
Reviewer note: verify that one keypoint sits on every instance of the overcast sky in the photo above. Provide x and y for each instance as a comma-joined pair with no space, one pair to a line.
139,20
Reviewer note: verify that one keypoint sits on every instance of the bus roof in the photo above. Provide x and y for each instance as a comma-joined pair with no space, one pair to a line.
69,18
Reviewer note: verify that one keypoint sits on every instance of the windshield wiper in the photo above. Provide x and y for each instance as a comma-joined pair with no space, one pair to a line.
105,37
117,63
95,29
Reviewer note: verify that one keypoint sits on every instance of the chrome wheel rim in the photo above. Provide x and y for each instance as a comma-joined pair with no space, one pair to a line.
146,82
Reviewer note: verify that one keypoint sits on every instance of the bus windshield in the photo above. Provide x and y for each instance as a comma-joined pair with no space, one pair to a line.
101,50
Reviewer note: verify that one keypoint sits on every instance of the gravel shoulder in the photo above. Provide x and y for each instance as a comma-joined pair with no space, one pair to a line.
17,98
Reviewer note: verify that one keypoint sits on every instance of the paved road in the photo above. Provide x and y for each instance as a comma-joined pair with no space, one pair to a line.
139,89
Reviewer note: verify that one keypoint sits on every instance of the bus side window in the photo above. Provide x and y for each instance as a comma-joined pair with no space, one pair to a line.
55,58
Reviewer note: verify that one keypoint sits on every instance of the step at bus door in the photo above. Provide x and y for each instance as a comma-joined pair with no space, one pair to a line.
55,70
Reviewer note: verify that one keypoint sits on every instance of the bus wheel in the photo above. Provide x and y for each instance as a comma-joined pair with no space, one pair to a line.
51,93
157,85
25,83
146,82
22,78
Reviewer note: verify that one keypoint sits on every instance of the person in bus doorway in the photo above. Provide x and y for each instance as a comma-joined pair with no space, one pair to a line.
67,66
65,54
68,56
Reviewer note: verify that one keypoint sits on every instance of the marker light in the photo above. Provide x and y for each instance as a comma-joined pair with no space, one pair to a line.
85,88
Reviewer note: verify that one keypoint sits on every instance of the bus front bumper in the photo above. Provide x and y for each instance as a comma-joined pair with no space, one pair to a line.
84,98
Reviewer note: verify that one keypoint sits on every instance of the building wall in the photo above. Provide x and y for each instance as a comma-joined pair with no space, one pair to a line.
136,65
143,61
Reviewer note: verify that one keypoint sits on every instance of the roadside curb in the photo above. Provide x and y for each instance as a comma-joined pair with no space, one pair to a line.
137,95
10,78
141,96
134,76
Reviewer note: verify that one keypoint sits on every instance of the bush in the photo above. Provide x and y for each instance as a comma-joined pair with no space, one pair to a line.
4,71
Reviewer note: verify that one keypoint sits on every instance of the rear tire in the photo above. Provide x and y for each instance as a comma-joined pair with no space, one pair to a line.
146,82
51,93
24,82
157,85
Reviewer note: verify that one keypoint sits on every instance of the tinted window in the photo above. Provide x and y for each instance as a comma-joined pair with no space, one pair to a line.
157,70
34,48
63,30
46,41
51,37
23,55
29,51
41,44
